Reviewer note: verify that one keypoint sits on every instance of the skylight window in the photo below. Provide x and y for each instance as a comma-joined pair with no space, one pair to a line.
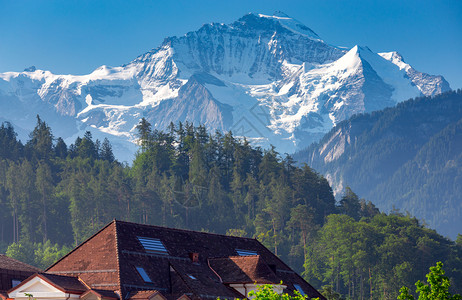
143,274
192,277
242,252
153,245
299,289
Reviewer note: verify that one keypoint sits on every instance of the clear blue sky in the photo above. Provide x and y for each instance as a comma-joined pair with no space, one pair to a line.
77,36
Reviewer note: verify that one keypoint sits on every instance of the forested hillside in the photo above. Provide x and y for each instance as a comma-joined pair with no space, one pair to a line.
54,196
408,157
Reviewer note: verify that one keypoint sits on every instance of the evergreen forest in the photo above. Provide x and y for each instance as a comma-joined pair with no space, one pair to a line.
53,196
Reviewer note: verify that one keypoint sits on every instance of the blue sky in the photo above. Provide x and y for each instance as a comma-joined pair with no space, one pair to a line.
75,37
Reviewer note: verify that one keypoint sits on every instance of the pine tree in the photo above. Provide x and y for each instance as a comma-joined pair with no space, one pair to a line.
106,151
144,134
45,186
41,141
86,148
302,218
350,205
4,205
60,148
13,187
28,201
10,147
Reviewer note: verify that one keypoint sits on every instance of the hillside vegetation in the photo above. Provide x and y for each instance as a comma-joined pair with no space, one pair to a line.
54,196
408,157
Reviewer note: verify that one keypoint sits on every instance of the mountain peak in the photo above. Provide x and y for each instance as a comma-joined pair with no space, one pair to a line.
30,69
282,14
282,19
351,60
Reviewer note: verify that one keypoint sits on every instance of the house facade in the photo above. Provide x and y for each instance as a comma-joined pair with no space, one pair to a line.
133,261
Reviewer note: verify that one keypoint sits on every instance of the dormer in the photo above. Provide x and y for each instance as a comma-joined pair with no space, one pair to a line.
246,273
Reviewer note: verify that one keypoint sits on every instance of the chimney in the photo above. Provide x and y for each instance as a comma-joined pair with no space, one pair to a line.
194,256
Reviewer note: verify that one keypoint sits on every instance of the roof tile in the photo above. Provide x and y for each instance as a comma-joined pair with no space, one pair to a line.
8,263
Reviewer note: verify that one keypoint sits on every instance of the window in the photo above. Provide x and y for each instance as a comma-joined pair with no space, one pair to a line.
143,274
153,245
192,277
242,252
299,289
15,282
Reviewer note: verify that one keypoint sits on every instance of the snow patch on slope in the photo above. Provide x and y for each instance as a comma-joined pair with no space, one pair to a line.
392,75
293,25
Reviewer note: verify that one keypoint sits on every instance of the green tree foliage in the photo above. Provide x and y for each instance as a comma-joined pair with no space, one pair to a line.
45,188
45,254
189,178
41,255
266,292
22,251
185,178
328,292
106,151
60,148
40,144
10,147
373,257
437,287
350,205
459,240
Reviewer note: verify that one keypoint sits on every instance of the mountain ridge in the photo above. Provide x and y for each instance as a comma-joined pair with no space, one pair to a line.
281,84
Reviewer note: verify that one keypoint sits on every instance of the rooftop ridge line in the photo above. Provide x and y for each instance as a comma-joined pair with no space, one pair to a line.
184,230
82,271
119,281
145,288
239,256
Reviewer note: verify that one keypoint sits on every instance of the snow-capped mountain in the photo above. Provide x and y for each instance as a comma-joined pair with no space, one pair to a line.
269,78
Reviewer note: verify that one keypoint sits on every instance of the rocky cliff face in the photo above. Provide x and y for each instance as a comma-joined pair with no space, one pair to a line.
269,78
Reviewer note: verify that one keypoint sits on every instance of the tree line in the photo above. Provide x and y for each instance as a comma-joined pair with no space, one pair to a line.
54,196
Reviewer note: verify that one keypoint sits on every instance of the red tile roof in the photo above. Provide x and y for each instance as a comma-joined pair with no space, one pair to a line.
101,293
66,284
108,261
95,261
8,263
201,281
12,269
244,269
143,295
